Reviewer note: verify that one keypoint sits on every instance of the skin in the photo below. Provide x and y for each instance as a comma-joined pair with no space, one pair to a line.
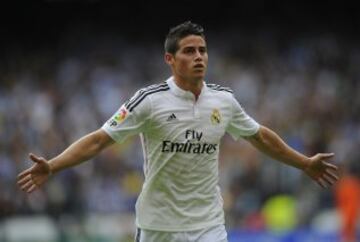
189,63
188,66
81,150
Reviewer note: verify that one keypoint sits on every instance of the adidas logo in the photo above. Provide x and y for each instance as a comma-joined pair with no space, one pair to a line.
171,117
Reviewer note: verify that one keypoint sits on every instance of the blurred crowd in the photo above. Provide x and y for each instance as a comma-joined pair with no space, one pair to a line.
305,87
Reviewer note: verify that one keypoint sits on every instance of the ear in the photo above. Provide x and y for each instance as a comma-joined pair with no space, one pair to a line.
169,58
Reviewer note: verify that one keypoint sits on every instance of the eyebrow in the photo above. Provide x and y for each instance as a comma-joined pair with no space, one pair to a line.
194,47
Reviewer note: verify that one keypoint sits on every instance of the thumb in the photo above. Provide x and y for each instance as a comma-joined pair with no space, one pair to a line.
326,155
36,159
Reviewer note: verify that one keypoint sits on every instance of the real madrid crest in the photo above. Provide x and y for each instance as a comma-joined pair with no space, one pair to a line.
215,116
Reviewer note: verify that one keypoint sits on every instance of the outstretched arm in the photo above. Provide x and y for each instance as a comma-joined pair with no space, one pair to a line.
81,150
316,166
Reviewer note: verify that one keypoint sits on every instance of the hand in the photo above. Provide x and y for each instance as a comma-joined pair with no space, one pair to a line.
35,176
324,173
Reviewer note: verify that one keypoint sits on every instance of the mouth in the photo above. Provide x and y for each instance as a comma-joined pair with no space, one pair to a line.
199,66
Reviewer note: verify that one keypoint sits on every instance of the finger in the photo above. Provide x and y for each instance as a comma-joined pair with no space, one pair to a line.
329,180
36,159
31,189
331,174
321,182
24,180
24,174
331,166
327,155
27,185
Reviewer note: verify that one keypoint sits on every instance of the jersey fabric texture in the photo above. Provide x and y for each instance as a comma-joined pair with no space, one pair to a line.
213,234
180,138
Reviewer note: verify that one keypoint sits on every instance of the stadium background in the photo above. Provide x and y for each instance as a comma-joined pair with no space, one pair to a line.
66,66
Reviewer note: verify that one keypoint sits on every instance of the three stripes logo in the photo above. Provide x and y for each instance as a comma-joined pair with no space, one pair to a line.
171,117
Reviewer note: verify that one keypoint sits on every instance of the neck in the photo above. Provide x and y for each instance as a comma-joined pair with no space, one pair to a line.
193,86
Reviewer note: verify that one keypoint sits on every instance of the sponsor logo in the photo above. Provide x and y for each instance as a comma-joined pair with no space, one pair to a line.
119,117
112,123
188,147
192,144
215,117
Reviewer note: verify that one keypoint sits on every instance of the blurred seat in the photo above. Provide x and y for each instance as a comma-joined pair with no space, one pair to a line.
30,229
326,221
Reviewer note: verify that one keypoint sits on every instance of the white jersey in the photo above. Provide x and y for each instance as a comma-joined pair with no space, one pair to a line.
180,138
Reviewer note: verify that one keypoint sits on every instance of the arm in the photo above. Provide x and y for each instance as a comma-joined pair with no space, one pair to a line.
81,150
316,166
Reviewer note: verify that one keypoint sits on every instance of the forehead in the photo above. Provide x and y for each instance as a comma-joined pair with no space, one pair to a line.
192,41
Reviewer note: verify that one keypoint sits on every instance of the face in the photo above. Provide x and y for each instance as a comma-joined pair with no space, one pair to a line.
190,61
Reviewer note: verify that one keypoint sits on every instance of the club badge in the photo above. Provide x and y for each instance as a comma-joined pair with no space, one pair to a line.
215,117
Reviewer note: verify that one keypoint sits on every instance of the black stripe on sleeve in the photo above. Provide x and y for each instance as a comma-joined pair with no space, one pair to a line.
133,105
226,90
217,87
142,92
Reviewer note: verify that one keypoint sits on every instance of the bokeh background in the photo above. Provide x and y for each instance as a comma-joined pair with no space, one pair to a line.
67,66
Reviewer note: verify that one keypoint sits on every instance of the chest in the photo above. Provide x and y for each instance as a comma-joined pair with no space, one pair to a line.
186,120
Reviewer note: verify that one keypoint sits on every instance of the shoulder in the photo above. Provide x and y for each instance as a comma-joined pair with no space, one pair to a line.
144,92
220,91
158,87
219,88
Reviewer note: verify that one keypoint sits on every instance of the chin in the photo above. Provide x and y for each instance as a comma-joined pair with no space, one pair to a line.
199,76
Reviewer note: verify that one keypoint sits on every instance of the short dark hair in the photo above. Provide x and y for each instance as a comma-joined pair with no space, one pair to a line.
179,32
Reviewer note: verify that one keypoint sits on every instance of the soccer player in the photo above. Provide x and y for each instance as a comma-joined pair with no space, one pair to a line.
181,122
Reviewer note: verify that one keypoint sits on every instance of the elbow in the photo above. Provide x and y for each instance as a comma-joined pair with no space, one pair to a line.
263,139
100,140
258,137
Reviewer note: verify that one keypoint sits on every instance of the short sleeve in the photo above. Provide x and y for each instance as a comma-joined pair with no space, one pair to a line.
130,119
241,124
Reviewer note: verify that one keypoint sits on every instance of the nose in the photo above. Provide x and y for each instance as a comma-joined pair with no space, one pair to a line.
198,56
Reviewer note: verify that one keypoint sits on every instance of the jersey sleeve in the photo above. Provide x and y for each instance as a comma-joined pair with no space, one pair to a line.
130,119
241,124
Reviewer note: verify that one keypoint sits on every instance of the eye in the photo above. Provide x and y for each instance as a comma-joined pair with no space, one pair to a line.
189,50
202,50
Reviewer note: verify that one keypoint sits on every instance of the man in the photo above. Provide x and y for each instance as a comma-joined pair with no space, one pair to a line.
181,122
